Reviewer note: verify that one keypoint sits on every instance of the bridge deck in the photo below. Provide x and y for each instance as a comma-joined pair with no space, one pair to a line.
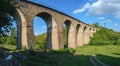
54,10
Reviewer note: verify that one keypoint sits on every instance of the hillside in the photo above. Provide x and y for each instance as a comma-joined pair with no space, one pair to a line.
40,41
105,36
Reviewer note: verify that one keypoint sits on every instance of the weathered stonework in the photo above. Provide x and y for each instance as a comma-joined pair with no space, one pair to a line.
79,33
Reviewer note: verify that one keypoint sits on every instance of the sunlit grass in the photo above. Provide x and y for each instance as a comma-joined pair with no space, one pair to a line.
107,54
104,50
8,46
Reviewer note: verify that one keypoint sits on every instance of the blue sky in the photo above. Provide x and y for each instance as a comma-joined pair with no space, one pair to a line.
106,12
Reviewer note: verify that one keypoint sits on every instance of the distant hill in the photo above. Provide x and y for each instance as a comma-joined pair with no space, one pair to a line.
41,38
40,41
105,36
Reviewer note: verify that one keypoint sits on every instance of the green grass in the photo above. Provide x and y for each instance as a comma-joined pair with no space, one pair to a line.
107,54
68,57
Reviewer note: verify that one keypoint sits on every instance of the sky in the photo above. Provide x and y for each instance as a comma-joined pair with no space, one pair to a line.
105,12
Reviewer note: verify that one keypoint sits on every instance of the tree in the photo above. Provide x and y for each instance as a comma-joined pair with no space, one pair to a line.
96,24
7,9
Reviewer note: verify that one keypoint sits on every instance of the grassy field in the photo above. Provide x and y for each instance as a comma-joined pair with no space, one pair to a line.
68,57
107,54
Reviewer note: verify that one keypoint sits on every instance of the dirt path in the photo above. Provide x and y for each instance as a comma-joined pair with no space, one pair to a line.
97,62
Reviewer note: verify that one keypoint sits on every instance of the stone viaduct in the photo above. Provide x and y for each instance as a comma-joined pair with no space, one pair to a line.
78,33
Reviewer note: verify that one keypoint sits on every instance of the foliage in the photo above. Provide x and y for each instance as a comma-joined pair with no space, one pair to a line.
11,39
41,41
12,36
7,8
64,36
117,42
96,25
105,36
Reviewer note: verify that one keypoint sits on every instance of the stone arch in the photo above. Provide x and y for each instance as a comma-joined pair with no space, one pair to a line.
79,35
90,32
70,34
93,30
52,30
21,29
90,29
85,35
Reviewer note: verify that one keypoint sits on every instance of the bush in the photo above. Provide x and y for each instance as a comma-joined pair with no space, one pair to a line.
40,46
117,42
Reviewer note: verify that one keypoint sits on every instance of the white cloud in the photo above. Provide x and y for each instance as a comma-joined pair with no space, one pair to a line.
37,33
117,15
116,25
109,20
102,7
104,19
86,6
101,18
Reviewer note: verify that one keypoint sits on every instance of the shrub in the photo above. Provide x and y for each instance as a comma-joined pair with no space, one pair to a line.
40,46
117,42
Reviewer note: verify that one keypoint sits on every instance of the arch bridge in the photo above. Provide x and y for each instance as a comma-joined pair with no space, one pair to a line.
78,33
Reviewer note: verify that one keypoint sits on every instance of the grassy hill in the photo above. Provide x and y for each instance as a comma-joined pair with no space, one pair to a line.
105,36
40,41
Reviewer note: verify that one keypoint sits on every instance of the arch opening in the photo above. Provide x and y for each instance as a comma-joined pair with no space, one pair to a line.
40,33
90,29
77,29
50,27
13,37
78,35
9,37
70,35
84,35
66,28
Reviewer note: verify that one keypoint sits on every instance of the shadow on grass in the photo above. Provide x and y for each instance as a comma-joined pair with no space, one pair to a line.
55,58
117,54
3,52
111,61
5,49
63,58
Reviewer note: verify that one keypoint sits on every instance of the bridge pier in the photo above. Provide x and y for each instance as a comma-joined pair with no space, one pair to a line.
80,37
54,36
71,37
86,37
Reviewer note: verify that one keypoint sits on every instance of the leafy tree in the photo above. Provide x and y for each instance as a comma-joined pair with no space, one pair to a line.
96,24
7,9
